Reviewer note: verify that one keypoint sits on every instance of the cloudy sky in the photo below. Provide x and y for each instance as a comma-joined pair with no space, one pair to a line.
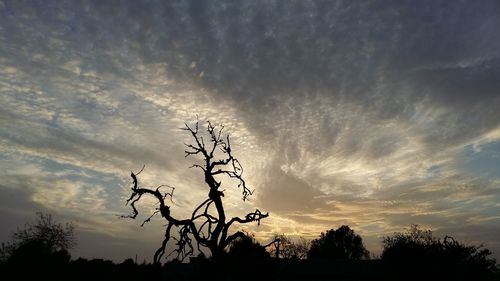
375,114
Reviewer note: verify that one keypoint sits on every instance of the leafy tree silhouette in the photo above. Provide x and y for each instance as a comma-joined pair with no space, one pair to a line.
418,251
341,243
41,247
245,253
246,248
208,225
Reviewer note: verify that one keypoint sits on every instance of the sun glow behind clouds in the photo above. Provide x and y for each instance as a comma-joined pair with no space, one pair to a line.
340,114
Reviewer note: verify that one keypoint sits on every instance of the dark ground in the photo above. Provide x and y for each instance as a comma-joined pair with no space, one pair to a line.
203,269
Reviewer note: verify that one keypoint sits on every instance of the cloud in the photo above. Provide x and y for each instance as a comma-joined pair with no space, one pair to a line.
285,194
340,112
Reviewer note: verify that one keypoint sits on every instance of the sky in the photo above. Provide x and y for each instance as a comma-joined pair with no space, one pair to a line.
374,114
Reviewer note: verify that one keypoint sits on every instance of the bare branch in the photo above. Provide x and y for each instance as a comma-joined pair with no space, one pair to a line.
231,238
251,217
149,219
159,253
198,166
206,226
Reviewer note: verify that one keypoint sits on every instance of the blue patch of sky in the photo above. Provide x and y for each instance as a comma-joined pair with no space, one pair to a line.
434,171
111,183
484,161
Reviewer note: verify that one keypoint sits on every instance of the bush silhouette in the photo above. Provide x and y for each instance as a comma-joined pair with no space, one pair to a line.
40,249
420,252
341,243
247,249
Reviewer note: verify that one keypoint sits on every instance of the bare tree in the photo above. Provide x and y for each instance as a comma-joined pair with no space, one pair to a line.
208,225
300,248
279,246
282,247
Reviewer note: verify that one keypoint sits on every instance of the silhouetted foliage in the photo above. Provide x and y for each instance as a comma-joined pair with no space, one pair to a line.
100,269
208,225
246,248
419,251
413,255
42,247
283,247
342,243
54,236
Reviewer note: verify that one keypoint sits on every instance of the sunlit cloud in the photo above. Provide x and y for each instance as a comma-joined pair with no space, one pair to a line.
366,114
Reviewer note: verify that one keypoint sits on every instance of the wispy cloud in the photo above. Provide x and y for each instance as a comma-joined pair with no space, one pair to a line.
368,114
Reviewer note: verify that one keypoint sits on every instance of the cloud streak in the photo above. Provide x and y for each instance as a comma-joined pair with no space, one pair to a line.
371,114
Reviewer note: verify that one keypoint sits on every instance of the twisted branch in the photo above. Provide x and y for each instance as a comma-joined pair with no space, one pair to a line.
206,227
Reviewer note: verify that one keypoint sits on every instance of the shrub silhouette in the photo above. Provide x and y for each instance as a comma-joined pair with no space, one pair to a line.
418,251
246,248
341,243
39,249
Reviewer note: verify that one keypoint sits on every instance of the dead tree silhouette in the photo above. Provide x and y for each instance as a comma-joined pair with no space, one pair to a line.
208,224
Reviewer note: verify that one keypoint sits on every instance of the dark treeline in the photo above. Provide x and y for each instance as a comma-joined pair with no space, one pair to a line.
201,268
40,252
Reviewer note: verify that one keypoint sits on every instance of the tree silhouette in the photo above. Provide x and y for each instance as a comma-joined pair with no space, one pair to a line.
282,247
246,248
279,246
44,233
411,244
208,225
419,251
342,243
42,247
